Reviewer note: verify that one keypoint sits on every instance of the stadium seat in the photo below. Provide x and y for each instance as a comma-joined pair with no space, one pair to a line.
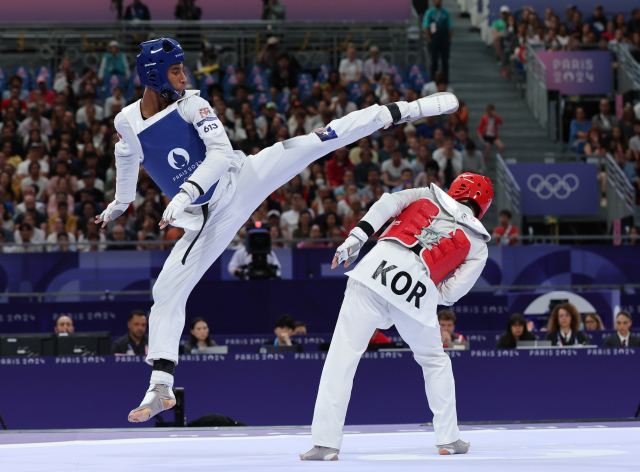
325,68
283,102
305,80
418,82
45,72
3,79
25,74
354,90
374,86
259,99
397,79
395,69
415,70
403,87
205,82
322,77
111,82
230,69
187,70
260,82
191,80
133,81
304,93
254,69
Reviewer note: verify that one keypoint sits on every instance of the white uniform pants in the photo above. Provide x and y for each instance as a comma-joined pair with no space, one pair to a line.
362,312
259,176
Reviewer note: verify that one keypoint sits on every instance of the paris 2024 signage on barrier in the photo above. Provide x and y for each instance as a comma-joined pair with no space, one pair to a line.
557,189
578,72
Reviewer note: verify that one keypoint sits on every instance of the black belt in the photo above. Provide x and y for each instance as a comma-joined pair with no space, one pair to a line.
417,249
205,216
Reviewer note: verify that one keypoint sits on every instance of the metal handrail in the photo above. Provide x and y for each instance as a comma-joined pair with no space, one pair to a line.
629,67
509,185
623,188
537,98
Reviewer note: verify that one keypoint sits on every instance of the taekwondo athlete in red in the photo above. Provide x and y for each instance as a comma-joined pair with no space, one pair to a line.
175,135
401,281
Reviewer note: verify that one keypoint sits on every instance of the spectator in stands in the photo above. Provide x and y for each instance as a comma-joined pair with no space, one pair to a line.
35,115
342,106
25,239
314,233
388,145
12,96
392,169
564,326
594,143
516,331
604,120
498,29
301,328
432,87
438,30
375,67
505,233
333,82
488,131
304,225
364,143
242,97
116,98
187,10
137,11
351,67
426,131
634,141
199,338
15,81
364,167
83,114
447,321
36,180
449,160
634,23
274,10
284,77
289,219
114,62
336,166
48,96
135,342
473,160
598,21
70,221
64,324
118,234
592,322
579,128
284,329
623,337
311,104
406,183
422,157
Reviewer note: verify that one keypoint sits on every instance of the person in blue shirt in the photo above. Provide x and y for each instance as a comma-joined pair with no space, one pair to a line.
174,134
425,130
437,28
137,11
579,128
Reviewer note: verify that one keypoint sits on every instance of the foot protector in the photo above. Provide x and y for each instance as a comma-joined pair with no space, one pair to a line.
458,447
320,453
153,401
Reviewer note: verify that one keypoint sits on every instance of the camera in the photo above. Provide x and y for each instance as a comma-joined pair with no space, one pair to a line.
258,244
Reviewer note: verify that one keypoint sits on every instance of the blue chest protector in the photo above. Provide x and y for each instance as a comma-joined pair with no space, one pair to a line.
173,150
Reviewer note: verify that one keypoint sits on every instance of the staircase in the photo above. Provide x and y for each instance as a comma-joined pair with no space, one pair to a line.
475,77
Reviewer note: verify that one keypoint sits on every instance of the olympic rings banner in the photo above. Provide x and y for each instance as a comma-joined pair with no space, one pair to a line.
557,189
578,72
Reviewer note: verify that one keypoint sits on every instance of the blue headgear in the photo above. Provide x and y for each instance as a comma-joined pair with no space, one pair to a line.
153,62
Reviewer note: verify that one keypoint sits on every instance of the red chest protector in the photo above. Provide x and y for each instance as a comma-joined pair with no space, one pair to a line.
445,255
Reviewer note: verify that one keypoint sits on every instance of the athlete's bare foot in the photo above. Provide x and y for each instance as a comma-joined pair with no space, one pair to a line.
144,414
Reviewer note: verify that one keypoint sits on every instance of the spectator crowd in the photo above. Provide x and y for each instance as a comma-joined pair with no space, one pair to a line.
57,141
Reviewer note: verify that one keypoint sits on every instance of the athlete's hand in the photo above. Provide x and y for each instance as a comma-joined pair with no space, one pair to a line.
348,251
113,210
175,208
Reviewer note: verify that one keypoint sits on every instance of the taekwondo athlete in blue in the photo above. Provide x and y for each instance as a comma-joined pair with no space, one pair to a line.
175,135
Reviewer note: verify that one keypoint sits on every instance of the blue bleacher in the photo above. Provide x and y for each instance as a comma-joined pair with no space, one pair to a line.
374,86
3,79
415,70
25,74
354,90
402,87
283,102
230,69
254,69
45,72
395,69
191,80
417,82
397,79
260,82
305,80
304,93
133,81
205,82
112,82
322,77
259,99
325,69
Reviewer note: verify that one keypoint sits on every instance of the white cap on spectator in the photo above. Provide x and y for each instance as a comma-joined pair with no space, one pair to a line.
114,43
374,48
271,213
504,9
272,40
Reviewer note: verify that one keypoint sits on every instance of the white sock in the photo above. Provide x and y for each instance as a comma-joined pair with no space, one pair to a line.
160,377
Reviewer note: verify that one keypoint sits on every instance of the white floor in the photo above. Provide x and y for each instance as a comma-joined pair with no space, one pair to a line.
493,448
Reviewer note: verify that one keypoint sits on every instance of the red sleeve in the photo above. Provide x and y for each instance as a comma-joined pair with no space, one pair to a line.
499,120
482,127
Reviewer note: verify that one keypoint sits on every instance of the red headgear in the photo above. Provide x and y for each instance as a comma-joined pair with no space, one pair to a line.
473,187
